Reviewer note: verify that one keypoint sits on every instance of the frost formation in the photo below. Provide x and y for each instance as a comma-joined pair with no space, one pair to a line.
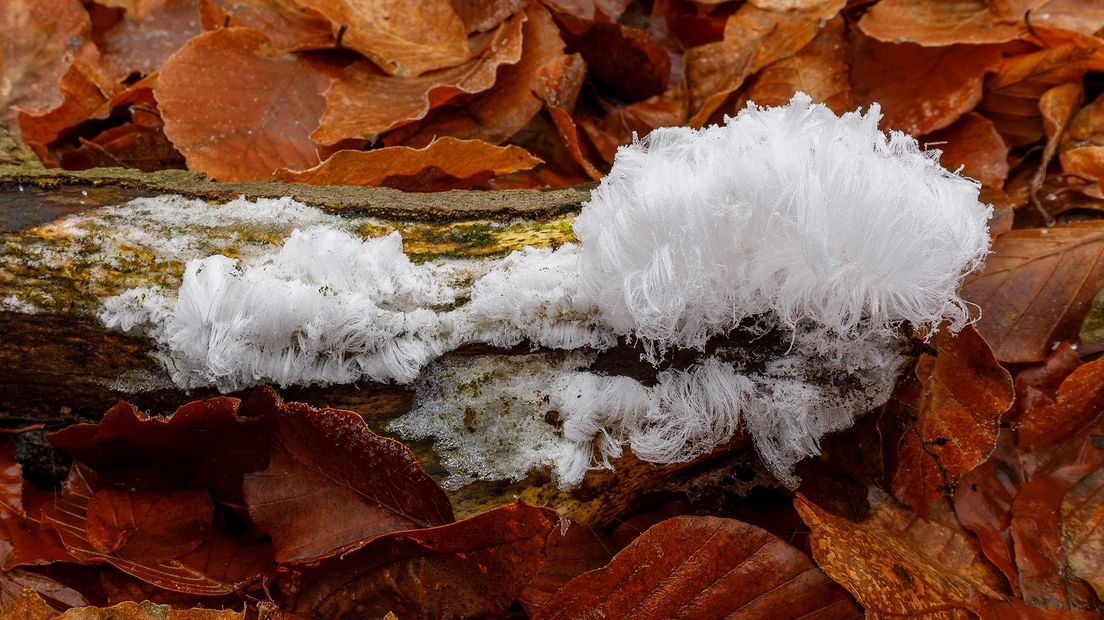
787,223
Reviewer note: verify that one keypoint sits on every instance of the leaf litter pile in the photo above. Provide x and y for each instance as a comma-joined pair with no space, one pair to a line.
978,490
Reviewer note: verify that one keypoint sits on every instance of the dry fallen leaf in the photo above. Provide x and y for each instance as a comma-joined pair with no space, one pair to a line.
1076,403
702,567
237,108
142,44
973,143
821,70
290,27
37,44
946,22
1083,529
447,163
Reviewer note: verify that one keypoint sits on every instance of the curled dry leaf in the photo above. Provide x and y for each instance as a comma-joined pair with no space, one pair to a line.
702,567
402,38
484,15
753,39
1057,107
973,144
955,417
897,564
471,568
625,60
363,103
141,43
82,99
219,566
1012,93
30,606
131,145
289,26
932,87
1036,288
821,70
1083,529
237,108
332,484
1037,385
447,163
939,23
37,44
1076,403
205,444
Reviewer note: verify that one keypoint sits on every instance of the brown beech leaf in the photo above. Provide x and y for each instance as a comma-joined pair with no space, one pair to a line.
130,145
38,41
363,103
402,38
83,99
237,108
622,121
484,15
1012,93
753,39
447,163
220,566
1036,288
821,70
624,60
962,393
1083,529
703,567
568,554
938,23
1076,403
1086,163
932,87
502,111
15,583
1043,577
472,568
333,484
31,606
24,538
1037,384
897,564
142,44
148,527
289,26
205,444
559,86
590,10
973,143
28,606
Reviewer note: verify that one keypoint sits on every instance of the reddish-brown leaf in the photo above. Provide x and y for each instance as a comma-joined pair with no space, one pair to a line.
333,484
1012,93
1083,529
59,596
141,43
24,538
568,554
30,606
502,111
938,23
289,26
753,39
1077,402
220,566
148,527
621,122
955,418
237,108
447,163
1087,164
38,41
130,145
364,103
897,564
484,15
402,38
83,98
1036,288
626,61
472,568
1043,576
821,70
1037,385
931,88
703,567
973,143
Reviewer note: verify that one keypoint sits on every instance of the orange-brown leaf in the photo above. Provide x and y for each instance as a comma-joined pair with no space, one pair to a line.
702,567
38,41
472,568
1036,288
946,22
821,70
402,38
955,417
973,143
142,44
753,39
363,103
1083,529
237,108
897,564
568,554
447,163
1077,402
931,87
289,26
333,484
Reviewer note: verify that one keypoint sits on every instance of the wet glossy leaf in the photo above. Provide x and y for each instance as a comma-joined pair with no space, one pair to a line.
703,567
1036,288
956,417
332,484
266,105
471,568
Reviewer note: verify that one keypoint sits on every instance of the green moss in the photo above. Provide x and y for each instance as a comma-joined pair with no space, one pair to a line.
1092,330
